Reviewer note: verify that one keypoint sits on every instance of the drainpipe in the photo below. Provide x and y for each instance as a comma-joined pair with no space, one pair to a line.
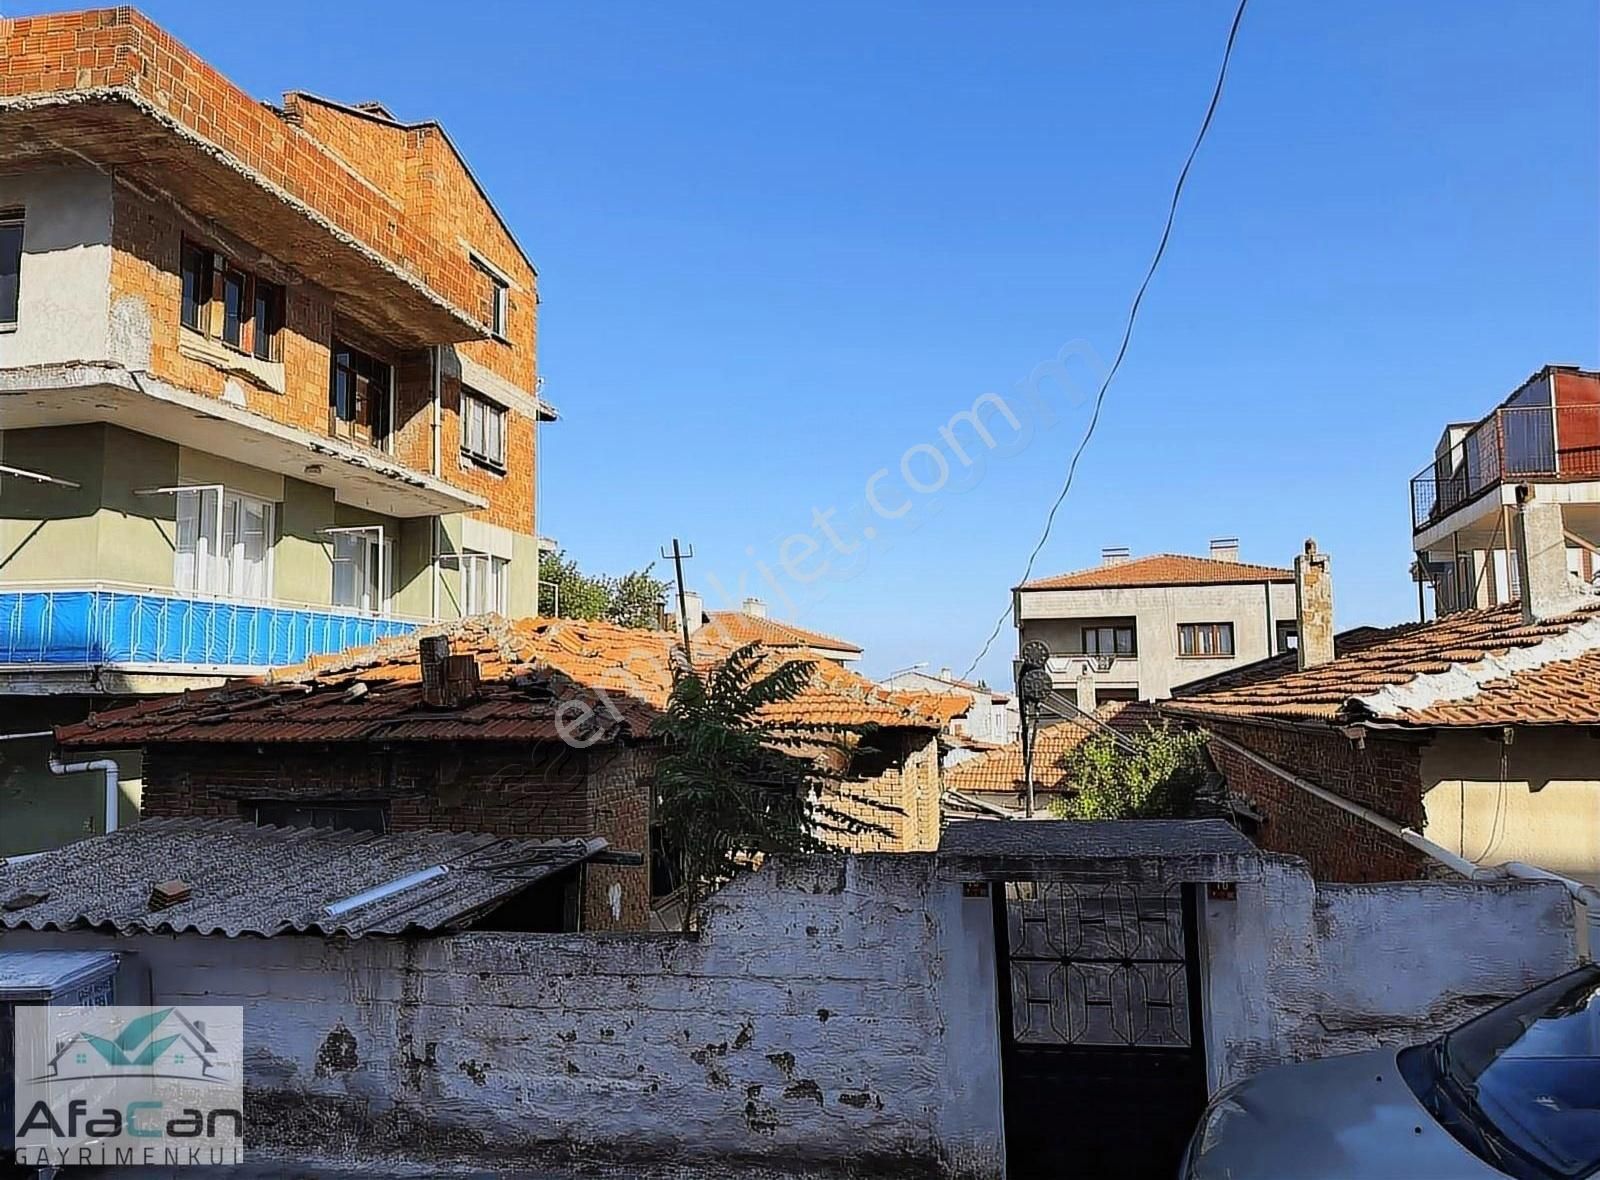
438,423
113,787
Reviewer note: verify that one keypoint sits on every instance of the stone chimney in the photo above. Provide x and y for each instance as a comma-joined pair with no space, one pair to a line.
755,608
1542,572
1088,698
1313,606
1114,555
1224,548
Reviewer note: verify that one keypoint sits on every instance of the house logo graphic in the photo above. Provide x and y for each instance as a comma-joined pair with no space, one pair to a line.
164,1043
122,1086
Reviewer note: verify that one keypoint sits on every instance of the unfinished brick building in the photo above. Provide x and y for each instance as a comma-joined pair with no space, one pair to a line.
271,367
537,729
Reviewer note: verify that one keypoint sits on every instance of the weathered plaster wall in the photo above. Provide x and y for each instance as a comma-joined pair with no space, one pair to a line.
841,1010
1296,969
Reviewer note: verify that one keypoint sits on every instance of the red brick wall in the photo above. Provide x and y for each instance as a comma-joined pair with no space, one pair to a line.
619,794
1385,776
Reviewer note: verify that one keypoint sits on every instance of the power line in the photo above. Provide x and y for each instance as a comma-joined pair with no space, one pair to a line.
1127,333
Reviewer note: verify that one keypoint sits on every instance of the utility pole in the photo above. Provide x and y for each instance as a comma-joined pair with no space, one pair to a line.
1033,685
678,556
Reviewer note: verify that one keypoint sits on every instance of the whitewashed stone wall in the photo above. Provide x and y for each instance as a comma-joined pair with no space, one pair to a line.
839,1012
1296,970
834,1011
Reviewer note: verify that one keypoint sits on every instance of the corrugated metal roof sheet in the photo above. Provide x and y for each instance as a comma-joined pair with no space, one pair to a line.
264,880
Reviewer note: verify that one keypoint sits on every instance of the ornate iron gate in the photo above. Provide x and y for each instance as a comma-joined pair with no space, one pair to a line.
1102,1052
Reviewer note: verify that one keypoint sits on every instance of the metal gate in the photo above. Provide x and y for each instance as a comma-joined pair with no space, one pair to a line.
1101,1048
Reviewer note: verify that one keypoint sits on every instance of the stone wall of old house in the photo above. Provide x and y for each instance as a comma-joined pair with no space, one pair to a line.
620,794
1383,774
833,1013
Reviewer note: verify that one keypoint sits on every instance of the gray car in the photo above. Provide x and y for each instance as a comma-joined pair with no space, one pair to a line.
1514,1092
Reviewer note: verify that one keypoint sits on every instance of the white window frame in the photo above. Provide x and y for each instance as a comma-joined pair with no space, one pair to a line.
484,576
215,573
501,312
378,545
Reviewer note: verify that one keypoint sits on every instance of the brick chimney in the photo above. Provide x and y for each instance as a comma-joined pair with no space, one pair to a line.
1543,575
1224,548
755,608
1114,555
447,680
1313,606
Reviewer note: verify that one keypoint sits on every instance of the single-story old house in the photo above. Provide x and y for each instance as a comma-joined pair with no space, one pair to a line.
1478,731
530,729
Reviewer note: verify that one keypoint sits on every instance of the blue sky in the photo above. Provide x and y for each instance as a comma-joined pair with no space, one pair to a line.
781,247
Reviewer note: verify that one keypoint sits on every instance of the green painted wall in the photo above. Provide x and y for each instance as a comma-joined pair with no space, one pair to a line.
522,597
137,533
48,532
302,563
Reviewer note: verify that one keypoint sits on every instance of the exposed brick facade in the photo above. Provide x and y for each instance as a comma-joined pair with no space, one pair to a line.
314,196
1382,774
902,799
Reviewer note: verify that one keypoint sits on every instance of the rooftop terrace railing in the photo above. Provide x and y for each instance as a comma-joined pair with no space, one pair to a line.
1514,442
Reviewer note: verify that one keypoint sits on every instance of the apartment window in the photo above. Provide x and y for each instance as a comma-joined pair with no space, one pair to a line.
196,288
224,543
1205,639
483,430
495,294
1108,641
361,393
361,569
10,264
251,308
484,579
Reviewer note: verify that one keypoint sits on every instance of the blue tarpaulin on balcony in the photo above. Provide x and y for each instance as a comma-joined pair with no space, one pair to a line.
98,626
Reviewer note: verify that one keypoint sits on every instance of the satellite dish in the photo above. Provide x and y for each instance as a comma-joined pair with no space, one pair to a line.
1035,654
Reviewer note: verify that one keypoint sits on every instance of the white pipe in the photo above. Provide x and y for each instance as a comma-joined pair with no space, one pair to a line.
1587,894
17,737
433,540
113,786
387,889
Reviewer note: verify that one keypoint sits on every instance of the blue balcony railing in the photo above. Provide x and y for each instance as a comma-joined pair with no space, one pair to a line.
99,625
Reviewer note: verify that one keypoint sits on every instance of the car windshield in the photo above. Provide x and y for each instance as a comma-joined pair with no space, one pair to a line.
1531,1068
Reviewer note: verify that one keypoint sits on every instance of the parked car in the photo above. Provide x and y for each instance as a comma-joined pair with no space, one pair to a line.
1514,1092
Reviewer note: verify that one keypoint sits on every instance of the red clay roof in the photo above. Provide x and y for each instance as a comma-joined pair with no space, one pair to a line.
732,629
1000,770
1370,663
1162,569
529,669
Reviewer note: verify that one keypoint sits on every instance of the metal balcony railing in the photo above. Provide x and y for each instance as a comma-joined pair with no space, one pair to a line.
45,625
1514,442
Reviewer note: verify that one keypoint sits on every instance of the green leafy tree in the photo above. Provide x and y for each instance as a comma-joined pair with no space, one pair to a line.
1154,776
733,787
633,600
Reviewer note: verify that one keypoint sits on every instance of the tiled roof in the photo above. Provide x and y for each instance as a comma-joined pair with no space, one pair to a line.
733,629
528,669
264,880
1481,667
1000,770
1162,569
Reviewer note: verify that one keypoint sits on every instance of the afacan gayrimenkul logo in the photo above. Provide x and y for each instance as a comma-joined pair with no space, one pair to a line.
117,1085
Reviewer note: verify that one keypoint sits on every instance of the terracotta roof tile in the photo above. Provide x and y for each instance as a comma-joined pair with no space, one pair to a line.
733,629
528,669
1370,660
1162,569
1000,770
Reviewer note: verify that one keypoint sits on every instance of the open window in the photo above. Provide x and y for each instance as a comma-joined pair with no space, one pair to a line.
361,568
361,396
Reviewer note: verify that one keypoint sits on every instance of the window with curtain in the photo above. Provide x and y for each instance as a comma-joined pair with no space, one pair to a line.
484,581
361,569
224,543
1205,639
